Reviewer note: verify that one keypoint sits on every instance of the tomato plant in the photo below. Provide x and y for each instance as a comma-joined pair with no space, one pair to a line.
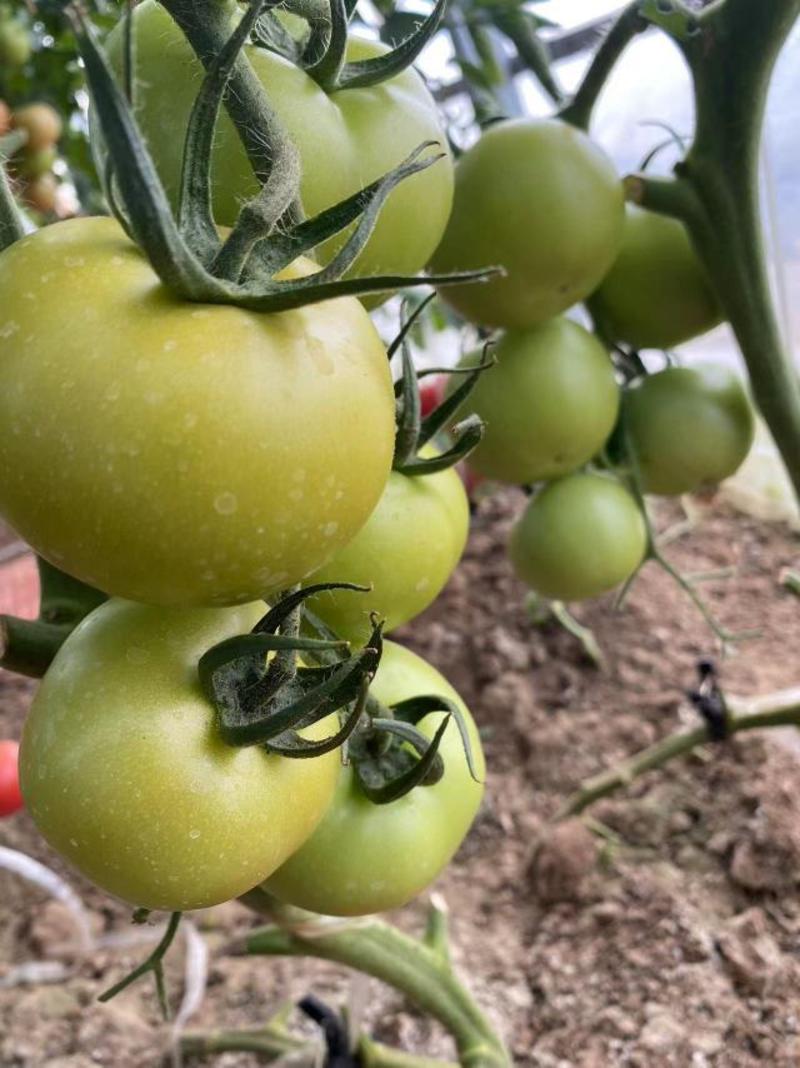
579,536
539,199
688,427
657,293
346,138
406,551
10,794
124,773
549,404
180,454
366,858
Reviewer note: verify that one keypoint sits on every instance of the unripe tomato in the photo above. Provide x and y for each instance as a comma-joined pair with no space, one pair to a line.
42,193
578,537
10,794
177,453
657,293
15,44
688,427
365,858
124,773
538,198
549,403
42,123
346,139
35,164
406,552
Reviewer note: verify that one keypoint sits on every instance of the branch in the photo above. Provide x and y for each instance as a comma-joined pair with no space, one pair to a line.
628,25
776,710
27,646
422,972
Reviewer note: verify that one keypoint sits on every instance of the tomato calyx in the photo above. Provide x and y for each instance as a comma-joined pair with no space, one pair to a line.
266,700
414,430
186,250
321,50
391,756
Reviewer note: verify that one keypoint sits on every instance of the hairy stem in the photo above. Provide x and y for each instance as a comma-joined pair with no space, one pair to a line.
272,154
377,949
776,710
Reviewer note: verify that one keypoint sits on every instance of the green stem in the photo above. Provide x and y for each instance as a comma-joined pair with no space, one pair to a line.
268,1042
375,1055
731,58
778,710
11,224
27,646
272,154
628,25
377,949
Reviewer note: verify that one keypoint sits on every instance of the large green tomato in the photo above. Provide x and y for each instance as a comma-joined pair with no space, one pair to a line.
657,294
538,198
346,140
365,858
549,403
688,427
124,773
406,552
578,537
176,453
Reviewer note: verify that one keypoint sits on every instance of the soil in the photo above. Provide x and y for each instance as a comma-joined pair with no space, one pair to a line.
663,930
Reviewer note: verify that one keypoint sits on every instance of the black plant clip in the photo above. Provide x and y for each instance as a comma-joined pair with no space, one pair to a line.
263,694
709,701
413,431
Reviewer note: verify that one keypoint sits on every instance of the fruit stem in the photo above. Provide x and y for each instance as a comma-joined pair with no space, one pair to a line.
779,709
627,26
272,154
374,947
27,646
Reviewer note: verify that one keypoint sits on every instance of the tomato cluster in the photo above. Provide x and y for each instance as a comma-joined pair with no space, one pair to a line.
539,199
192,460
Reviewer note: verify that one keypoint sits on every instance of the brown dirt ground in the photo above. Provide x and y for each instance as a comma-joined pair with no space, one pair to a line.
673,938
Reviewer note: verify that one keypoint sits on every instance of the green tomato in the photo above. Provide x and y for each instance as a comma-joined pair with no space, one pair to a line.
539,199
657,294
365,858
549,403
406,552
124,773
688,427
346,140
578,537
15,44
176,453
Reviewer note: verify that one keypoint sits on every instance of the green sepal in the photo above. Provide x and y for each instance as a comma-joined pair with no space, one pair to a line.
520,27
413,709
467,436
409,417
438,419
12,224
369,72
253,708
327,68
273,255
280,612
405,329
293,745
270,34
195,215
395,773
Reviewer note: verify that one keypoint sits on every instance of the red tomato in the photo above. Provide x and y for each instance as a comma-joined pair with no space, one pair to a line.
431,393
10,796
